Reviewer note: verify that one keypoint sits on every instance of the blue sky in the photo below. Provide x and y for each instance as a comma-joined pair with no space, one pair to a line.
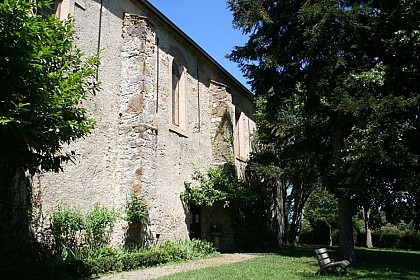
209,24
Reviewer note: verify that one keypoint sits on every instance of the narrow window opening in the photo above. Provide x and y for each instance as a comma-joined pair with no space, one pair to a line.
177,104
176,77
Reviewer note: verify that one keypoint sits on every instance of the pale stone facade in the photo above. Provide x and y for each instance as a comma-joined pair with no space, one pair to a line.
165,109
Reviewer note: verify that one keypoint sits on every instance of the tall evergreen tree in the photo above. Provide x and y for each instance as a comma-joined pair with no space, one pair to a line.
336,81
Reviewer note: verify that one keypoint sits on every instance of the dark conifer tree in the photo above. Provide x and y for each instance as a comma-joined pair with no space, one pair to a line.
336,83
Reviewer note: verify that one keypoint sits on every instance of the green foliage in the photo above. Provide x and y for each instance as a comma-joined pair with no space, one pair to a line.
66,225
84,239
255,201
321,206
404,207
186,250
43,80
102,260
249,202
73,230
337,94
214,186
137,210
321,212
98,224
389,236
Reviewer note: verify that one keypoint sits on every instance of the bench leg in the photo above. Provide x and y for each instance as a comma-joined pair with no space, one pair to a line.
322,271
332,271
342,272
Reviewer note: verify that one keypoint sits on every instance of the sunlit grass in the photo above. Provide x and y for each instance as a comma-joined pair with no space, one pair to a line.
300,263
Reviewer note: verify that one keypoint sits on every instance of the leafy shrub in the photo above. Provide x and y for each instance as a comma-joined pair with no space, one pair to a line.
410,241
392,237
81,241
390,240
214,186
105,259
200,248
103,264
137,259
137,210
66,226
98,224
72,230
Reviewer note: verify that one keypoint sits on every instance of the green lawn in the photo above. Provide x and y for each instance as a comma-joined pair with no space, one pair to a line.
300,263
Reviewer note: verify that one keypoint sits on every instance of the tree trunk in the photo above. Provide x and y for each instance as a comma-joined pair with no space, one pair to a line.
345,226
369,243
15,216
345,213
278,213
330,233
299,196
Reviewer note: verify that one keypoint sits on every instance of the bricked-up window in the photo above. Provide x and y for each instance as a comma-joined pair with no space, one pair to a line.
178,121
176,78
243,132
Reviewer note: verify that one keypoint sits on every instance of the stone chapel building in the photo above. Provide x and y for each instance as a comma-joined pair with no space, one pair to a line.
165,109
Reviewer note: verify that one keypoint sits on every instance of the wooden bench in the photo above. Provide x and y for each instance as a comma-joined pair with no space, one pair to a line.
328,266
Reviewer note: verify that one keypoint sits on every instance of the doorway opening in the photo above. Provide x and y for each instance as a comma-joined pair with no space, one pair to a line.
195,221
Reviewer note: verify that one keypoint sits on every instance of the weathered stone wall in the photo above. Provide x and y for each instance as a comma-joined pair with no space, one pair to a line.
222,119
134,148
179,153
137,131
93,177
243,132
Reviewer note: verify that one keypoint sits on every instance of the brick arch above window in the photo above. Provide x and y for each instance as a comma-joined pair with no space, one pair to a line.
178,55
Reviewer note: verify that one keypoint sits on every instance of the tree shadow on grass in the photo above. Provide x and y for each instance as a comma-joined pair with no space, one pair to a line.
370,264
381,264
299,251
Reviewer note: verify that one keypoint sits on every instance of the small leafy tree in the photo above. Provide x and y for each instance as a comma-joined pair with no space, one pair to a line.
43,80
137,216
322,206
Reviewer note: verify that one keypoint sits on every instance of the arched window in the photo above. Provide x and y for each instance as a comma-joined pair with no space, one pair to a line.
177,117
